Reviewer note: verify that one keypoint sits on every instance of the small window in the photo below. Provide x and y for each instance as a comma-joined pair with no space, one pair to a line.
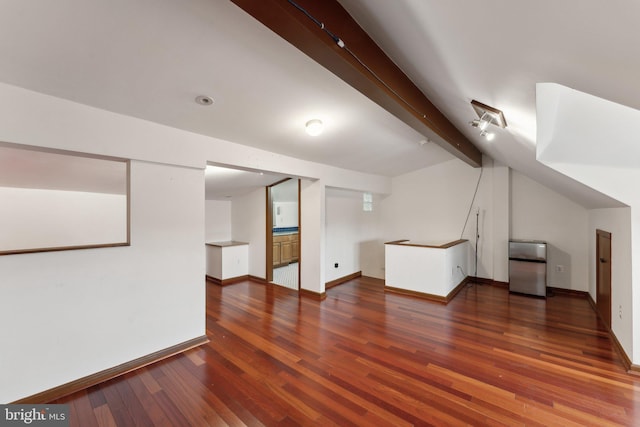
367,202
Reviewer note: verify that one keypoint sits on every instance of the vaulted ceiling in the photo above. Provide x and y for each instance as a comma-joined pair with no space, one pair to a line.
150,59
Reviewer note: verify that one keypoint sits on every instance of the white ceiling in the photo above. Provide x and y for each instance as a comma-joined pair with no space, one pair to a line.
150,59
223,183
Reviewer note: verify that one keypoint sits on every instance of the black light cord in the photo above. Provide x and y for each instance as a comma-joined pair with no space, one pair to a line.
473,199
342,45
335,38
475,271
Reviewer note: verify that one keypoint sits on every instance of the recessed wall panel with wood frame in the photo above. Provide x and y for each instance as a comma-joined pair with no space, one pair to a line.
54,200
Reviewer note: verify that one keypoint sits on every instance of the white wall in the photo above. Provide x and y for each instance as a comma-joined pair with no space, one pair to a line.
217,220
104,307
344,232
429,204
616,221
228,262
501,222
426,270
37,218
602,157
312,244
617,183
539,213
248,224
432,204
372,242
92,309
285,214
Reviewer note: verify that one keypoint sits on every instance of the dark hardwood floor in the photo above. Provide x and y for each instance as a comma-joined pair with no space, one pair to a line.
366,357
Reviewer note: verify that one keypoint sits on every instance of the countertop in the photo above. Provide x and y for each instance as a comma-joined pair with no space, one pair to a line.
226,244
284,233
443,244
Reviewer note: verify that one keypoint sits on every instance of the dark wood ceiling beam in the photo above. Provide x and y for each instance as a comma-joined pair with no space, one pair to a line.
408,103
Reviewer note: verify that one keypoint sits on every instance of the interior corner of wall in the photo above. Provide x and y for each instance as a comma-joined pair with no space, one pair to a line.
547,106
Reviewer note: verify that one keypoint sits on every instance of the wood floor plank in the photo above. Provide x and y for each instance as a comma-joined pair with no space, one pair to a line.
104,416
170,409
365,357
147,401
83,408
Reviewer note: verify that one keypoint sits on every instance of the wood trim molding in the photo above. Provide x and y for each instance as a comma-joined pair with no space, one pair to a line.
63,248
569,292
341,280
418,245
626,361
257,279
381,80
299,234
489,282
396,242
108,374
226,282
435,298
451,295
268,233
311,294
451,244
129,202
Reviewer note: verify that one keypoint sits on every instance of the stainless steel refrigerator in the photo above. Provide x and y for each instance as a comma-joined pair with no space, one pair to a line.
528,267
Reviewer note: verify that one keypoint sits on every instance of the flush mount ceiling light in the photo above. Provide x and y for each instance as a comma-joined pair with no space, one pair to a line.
487,116
314,127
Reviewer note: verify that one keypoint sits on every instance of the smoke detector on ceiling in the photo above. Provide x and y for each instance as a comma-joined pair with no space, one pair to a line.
204,100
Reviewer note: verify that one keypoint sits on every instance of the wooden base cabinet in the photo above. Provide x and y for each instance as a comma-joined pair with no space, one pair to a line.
295,247
286,249
276,253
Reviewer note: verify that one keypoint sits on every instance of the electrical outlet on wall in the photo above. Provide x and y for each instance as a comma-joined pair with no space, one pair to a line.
560,268
620,311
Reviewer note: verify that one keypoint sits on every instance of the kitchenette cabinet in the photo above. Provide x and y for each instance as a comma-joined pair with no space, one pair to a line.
286,249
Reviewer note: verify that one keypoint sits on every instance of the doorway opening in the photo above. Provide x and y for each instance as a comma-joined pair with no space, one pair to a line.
603,276
283,233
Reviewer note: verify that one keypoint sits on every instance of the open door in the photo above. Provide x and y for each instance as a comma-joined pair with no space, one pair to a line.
603,275
283,233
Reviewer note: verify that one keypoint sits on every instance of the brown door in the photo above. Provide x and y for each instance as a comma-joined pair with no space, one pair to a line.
603,274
